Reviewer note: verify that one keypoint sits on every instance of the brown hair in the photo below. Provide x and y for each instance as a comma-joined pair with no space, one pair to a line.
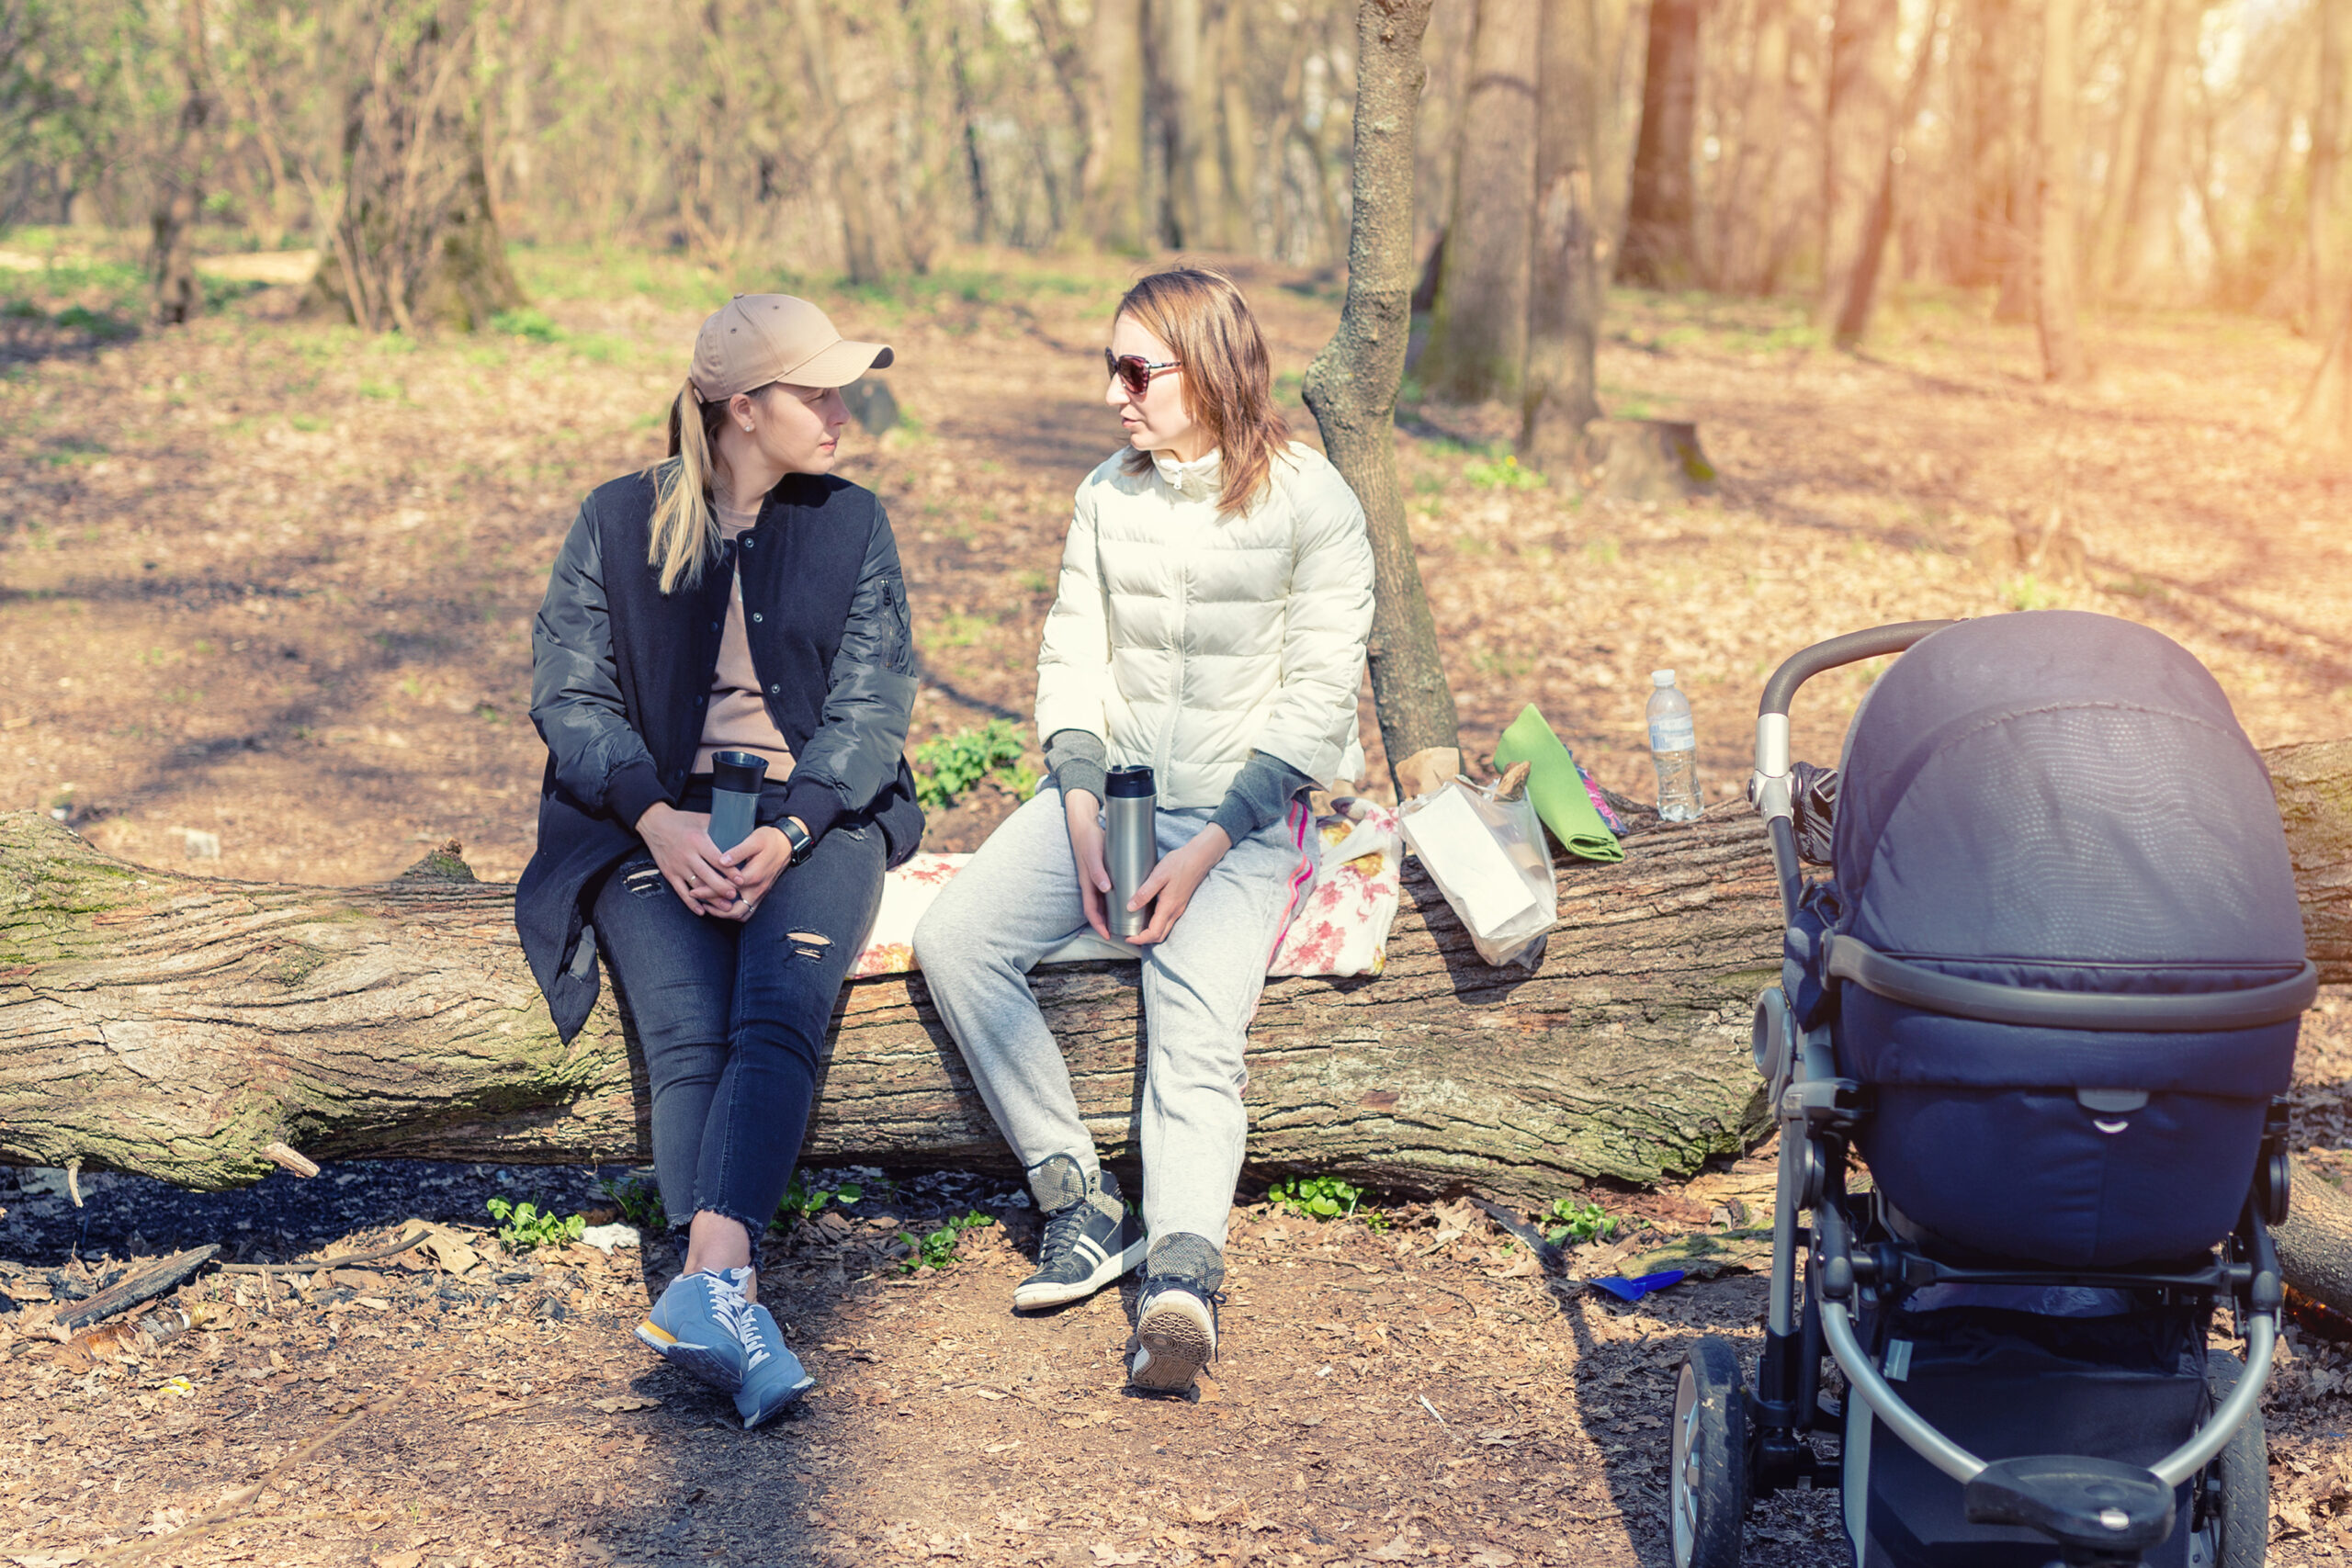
1228,381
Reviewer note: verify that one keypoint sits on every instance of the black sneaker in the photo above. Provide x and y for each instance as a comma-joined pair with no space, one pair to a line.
1175,1334
1091,1237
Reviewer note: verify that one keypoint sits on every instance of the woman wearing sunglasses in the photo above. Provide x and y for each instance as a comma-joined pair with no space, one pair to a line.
1216,592
733,599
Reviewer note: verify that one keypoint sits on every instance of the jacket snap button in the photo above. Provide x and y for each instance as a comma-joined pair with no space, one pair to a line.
714,625
774,690
749,542
755,615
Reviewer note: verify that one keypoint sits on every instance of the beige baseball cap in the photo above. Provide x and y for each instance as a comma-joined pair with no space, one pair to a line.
754,339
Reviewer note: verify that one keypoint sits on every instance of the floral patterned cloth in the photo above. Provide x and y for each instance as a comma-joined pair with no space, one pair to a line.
1338,924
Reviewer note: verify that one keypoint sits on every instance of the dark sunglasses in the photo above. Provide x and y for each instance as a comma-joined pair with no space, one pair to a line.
1134,372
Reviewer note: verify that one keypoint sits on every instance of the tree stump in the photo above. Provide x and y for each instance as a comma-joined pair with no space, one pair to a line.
1651,461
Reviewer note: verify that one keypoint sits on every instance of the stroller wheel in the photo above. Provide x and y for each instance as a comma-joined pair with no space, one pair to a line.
1707,1488
2232,1519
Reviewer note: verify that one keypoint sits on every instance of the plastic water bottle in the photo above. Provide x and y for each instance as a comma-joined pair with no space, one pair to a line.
1674,746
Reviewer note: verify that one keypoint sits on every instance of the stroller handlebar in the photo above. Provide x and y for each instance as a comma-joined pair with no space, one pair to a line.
1851,648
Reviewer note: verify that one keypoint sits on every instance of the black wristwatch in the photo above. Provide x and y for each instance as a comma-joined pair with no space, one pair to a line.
795,835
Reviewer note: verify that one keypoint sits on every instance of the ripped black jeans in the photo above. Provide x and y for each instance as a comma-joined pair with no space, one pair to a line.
732,1017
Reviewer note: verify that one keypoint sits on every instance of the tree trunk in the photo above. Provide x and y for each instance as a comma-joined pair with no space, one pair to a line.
1351,385
1115,195
2123,191
1755,216
2323,418
177,1026
2056,268
415,241
1478,343
1661,223
1238,133
1862,283
1562,394
180,194
2324,285
1857,125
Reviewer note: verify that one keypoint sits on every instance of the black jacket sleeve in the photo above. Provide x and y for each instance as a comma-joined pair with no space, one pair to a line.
600,760
855,753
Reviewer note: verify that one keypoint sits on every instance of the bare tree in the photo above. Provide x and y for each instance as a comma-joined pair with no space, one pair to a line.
2324,264
1853,319
1351,385
179,185
1114,177
1754,219
413,237
1477,344
1562,393
1858,125
2055,266
1661,223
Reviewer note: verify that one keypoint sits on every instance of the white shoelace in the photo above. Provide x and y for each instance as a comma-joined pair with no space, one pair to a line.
734,1310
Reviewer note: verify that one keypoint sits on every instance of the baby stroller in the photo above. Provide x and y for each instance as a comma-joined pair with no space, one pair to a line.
2049,994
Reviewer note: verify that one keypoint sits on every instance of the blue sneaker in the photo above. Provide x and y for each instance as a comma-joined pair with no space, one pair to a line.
694,1326
772,1376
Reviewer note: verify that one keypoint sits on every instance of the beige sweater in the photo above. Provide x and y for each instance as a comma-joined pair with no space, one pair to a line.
738,719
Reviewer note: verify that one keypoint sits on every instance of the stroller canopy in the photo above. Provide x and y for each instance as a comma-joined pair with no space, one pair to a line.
2063,800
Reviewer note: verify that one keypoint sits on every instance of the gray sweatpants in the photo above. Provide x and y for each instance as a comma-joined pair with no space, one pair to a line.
1016,901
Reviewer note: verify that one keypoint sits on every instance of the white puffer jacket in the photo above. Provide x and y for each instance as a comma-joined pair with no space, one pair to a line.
1186,639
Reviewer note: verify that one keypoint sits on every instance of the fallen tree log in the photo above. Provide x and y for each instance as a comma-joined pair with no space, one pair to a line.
180,1026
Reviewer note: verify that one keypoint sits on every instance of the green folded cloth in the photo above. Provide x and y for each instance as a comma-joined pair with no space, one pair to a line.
1553,784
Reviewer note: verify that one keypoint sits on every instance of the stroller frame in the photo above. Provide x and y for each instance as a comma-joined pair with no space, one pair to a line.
1732,1444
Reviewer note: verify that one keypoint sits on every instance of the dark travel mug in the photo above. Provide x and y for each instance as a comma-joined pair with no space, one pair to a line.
735,780
1128,818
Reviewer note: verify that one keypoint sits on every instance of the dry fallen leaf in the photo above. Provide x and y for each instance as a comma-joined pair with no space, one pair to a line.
1108,1554
1492,1557
1397,1550
626,1402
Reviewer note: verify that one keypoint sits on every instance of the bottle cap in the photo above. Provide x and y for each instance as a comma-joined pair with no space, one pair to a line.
1130,783
739,771
1661,677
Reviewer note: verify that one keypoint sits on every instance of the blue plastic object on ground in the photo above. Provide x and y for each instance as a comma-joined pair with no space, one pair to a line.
1635,1290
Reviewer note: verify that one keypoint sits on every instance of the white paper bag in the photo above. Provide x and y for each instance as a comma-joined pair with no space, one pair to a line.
1489,859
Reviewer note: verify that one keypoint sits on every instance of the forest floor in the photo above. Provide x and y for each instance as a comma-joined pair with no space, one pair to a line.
265,588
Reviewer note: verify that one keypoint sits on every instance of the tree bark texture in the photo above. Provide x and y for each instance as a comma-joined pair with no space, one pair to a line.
1351,385
1755,219
1661,223
2056,266
1562,392
176,1025
2118,240
1478,343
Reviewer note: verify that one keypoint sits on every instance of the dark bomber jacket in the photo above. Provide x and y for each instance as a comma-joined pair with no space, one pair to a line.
621,678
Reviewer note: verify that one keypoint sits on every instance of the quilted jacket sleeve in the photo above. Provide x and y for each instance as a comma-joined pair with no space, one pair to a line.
855,753
600,760
1326,620
1074,663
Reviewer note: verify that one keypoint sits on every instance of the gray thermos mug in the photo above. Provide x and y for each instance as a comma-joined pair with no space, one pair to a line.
1133,849
735,780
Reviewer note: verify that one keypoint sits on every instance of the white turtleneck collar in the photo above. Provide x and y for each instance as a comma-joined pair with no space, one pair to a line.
1194,480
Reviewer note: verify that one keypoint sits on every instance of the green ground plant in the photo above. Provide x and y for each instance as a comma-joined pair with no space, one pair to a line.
1316,1197
1502,473
802,1202
522,1225
947,765
639,1201
936,1248
1570,1223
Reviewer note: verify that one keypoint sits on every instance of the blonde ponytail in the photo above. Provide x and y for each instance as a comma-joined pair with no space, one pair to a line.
685,529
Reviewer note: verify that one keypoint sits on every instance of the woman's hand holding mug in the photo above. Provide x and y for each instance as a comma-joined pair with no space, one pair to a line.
690,863
1086,846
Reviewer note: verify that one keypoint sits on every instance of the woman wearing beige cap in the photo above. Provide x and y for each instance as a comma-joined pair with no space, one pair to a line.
730,607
